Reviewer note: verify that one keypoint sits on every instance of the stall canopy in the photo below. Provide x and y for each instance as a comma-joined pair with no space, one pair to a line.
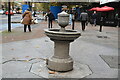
105,8
93,9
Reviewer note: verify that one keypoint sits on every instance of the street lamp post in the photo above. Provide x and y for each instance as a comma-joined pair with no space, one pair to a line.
9,18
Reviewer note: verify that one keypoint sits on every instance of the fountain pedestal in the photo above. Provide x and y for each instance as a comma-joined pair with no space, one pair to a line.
61,61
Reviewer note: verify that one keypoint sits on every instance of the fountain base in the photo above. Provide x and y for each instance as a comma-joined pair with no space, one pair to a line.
60,65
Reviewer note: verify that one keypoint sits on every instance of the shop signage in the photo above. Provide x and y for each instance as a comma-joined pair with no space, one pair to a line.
107,1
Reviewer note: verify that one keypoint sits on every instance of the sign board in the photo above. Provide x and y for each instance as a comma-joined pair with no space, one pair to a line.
50,0
24,8
64,6
107,1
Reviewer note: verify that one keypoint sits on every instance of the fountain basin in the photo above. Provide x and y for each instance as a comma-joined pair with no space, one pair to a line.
56,34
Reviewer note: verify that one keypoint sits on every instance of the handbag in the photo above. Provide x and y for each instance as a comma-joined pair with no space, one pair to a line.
21,21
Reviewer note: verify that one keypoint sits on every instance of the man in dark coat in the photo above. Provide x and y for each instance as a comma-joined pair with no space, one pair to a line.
50,19
84,18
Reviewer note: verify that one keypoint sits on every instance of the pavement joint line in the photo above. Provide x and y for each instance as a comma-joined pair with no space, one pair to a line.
34,73
31,67
39,76
23,60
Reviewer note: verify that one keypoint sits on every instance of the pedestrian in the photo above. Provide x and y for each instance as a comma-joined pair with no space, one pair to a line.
34,13
84,19
50,19
94,17
73,20
70,16
101,23
117,19
27,20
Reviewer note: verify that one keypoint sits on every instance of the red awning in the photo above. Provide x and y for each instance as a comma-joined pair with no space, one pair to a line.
105,8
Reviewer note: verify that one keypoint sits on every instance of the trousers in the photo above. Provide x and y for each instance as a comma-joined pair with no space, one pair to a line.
83,23
25,27
49,23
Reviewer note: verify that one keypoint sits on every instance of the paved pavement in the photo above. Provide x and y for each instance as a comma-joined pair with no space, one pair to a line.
20,50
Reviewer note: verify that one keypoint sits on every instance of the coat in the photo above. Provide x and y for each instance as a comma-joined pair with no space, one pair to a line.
94,16
27,18
50,16
84,16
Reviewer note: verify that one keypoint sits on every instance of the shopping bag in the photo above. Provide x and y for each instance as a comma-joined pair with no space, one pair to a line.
35,21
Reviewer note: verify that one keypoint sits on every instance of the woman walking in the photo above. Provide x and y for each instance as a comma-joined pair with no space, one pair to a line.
27,20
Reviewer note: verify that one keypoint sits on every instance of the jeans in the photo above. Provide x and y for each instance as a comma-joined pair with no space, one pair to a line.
95,22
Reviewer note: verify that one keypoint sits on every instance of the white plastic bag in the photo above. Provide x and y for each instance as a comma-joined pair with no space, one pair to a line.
21,21
36,21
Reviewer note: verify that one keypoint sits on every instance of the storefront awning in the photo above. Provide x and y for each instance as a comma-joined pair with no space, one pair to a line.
107,1
51,0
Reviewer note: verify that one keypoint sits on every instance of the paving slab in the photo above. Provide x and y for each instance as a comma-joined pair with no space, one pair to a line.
26,50
17,69
112,61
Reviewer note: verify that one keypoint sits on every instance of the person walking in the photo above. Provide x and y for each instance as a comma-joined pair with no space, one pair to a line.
50,19
73,20
27,20
70,16
34,13
94,17
84,18
101,23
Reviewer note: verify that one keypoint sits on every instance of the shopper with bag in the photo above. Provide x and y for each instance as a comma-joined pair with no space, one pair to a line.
27,20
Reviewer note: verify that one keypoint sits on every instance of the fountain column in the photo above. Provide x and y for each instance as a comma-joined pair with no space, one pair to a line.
61,61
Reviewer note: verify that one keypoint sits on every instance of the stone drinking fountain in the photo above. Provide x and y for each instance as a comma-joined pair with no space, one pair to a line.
61,61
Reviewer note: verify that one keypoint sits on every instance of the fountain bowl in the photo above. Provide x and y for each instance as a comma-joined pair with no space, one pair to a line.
68,35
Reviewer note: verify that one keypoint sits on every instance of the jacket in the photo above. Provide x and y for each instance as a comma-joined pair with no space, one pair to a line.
27,18
84,16
50,16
